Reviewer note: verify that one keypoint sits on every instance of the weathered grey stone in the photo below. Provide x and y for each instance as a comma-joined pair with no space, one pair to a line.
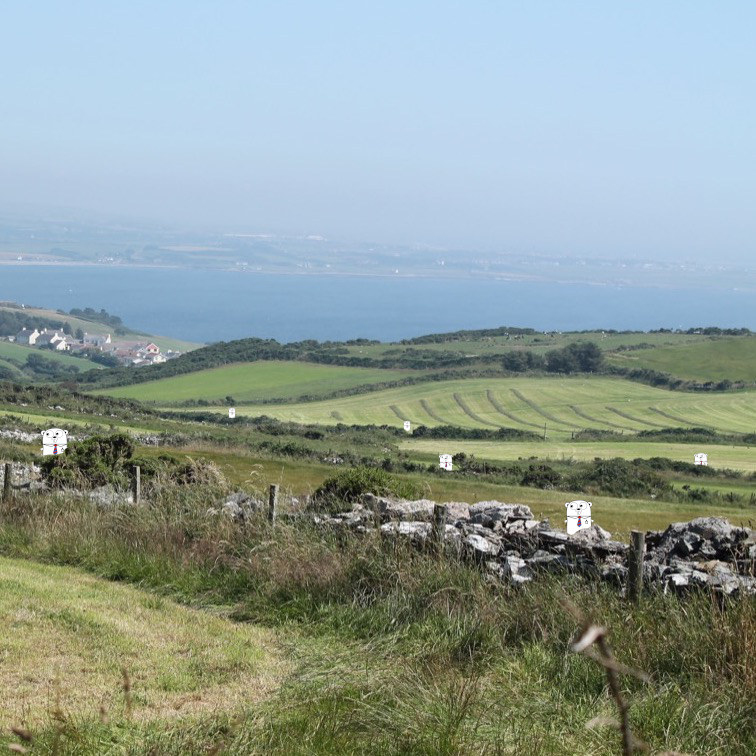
417,531
479,546
592,534
516,570
107,496
488,512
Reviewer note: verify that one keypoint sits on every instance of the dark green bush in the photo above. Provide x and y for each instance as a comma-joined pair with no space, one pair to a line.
347,485
97,461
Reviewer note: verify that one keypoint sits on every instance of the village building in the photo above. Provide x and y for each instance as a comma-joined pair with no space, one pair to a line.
27,337
53,339
96,340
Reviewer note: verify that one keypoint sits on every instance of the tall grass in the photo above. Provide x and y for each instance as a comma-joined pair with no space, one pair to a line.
397,651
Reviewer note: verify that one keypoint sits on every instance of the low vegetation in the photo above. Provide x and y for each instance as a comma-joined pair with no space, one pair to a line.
392,650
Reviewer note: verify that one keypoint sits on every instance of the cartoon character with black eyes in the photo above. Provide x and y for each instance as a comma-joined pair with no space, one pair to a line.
54,441
578,515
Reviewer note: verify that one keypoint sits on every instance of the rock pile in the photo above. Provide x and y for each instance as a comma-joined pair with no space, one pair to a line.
510,544
707,551
23,476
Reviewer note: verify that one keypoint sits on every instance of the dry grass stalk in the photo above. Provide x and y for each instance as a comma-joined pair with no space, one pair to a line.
591,634
127,690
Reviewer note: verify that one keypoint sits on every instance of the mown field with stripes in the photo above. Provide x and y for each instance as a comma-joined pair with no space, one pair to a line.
560,405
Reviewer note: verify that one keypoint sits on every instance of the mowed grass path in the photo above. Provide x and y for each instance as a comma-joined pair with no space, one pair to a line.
711,360
563,405
69,635
255,381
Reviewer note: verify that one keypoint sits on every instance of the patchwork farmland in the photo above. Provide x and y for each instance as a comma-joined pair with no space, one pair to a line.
557,406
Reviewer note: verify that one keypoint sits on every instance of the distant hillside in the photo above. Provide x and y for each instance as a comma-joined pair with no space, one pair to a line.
500,351
13,316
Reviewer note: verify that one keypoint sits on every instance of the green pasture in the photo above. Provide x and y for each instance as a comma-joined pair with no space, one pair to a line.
733,457
538,342
299,478
254,381
18,352
714,359
560,405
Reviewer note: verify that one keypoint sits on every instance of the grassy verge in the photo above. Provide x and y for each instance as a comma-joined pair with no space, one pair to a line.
395,651
69,637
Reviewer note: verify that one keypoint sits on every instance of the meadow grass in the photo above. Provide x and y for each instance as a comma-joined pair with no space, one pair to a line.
20,352
393,650
714,359
69,636
741,458
559,405
255,381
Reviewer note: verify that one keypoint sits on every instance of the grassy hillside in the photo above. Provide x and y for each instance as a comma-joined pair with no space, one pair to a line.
19,353
69,635
248,382
563,405
714,359
93,326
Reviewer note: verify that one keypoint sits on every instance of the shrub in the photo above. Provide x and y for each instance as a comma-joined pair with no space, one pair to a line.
347,485
97,461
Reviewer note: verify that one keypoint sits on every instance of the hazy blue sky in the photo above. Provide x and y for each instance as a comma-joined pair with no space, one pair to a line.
607,128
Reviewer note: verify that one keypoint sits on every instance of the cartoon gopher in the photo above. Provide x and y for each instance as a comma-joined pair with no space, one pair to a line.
54,441
578,515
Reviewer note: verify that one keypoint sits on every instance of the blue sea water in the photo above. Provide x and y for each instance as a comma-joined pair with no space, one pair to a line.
207,305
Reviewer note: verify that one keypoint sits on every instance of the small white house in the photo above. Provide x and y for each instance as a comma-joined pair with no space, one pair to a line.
27,337
54,339
701,459
445,461
407,426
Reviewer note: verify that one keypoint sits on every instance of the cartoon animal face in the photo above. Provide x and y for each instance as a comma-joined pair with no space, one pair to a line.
579,507
54,436
54,441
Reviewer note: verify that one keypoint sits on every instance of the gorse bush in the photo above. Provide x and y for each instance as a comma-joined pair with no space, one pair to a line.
96,461
347,485
109,460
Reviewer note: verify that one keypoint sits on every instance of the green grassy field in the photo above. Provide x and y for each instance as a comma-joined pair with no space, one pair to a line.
69,635
562,405
538,342
252,381
741,458
19,353
299,478
713,359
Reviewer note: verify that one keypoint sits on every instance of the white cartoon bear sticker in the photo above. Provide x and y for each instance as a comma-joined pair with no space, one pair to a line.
578,515
54,441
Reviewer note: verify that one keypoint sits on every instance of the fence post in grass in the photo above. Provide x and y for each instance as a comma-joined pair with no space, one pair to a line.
136,484
438,528
635,565
7,482
272,502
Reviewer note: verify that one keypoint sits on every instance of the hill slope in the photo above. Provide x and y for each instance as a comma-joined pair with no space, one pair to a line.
563,405
255,381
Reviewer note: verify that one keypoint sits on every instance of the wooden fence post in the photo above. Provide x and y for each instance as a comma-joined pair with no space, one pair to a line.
635,565
7,482
438,529
272,502
136,484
